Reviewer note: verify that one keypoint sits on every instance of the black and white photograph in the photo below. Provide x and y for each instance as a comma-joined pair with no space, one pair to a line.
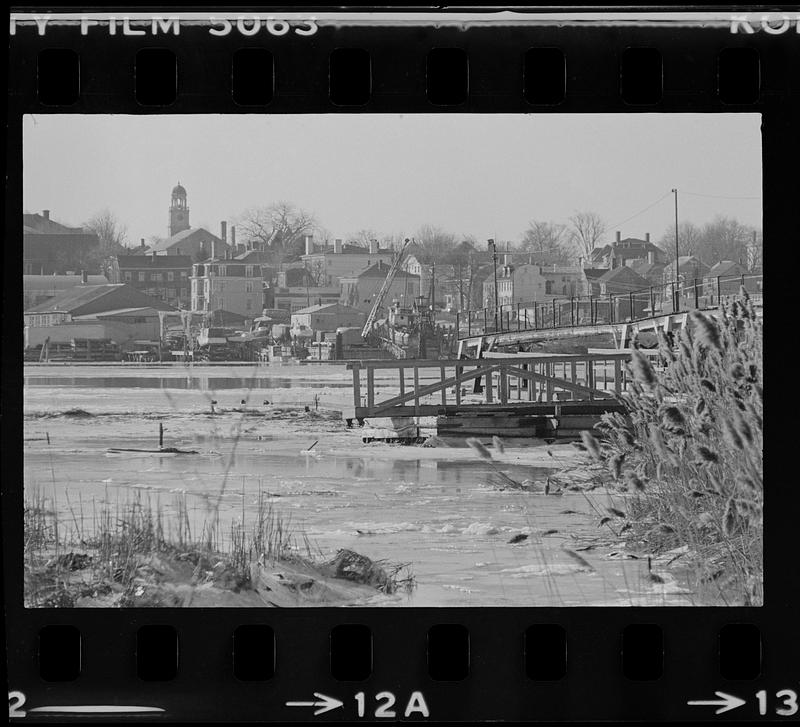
392,360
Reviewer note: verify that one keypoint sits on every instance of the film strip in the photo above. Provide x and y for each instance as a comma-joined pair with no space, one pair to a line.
538,639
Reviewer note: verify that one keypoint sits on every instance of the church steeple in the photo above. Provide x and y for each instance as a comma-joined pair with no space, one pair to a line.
178,211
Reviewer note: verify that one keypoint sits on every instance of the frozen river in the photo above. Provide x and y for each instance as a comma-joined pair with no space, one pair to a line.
437,508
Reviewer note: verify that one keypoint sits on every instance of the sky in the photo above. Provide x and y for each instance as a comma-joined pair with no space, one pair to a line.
482,175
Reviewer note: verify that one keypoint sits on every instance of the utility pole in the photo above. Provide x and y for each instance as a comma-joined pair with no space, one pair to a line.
433,286
677,255
493,248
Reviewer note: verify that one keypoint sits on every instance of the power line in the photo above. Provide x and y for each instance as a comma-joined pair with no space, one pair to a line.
715,196
641,212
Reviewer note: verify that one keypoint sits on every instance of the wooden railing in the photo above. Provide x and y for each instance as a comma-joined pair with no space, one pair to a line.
593,310
424,388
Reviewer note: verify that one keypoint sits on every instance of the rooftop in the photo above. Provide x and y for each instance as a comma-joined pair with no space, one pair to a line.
81,295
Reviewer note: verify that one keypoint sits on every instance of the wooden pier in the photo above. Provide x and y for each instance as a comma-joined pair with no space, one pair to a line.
523,394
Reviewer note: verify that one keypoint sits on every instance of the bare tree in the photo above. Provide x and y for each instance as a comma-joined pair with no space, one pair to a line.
726,239
690,241
435,242
317,273
111,233
278,228
586,229
111,236
547,237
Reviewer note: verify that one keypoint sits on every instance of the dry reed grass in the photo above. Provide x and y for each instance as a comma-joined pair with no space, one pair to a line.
690,451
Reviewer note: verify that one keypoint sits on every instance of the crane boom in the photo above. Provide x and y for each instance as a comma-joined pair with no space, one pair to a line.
398,261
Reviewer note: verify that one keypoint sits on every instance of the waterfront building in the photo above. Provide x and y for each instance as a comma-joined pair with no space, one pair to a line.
113,311
328,317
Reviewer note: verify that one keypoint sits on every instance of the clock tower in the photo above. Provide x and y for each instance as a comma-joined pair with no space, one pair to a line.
178,211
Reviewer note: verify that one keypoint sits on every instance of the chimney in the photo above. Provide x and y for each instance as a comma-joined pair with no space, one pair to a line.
141,243
619,235
46,214
223,231
233,236
337,247
84,277
647,237
373,247
309,244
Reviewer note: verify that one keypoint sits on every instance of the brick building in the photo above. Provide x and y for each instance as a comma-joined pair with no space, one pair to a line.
165,277
49,247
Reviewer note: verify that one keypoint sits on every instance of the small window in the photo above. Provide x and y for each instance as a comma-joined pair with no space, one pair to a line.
170,276
141,277
128,277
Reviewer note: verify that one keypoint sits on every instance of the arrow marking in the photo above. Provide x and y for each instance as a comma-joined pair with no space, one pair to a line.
726,702
327,704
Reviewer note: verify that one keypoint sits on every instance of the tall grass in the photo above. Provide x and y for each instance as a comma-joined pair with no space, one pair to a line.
690,451
123,536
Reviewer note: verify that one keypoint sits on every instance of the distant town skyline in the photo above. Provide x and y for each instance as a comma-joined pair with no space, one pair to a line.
480,175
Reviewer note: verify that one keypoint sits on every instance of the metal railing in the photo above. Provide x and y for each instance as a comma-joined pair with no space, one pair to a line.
594,310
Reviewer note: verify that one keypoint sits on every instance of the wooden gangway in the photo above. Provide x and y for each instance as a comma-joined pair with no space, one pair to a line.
526,383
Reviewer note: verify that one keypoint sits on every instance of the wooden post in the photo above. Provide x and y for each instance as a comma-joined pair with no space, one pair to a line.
610,308
630,303
719,293
488,387
531,384
402,373
370,386
502,385
459,371
356,385
590,377
554,312
550,388
444,388
696,295
573,371
572,310
160,435
617,376
416,389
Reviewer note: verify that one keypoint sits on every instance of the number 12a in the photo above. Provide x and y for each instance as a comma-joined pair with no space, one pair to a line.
386,702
